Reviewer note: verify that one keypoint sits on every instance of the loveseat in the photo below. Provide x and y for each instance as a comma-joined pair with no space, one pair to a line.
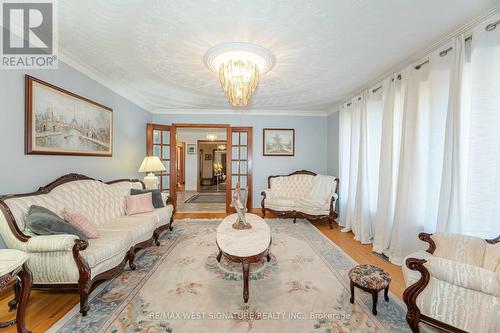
64,261
455,284
301,194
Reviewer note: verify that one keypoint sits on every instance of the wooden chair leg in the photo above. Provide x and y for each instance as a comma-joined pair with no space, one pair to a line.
26,282
17,293
374,298
352,293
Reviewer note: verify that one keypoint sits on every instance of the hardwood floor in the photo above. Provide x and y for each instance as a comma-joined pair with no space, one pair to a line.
44,308
194,207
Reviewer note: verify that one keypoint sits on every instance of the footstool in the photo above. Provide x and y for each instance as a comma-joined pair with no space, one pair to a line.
371,279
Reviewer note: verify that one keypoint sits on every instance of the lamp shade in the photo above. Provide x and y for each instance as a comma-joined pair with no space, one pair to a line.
151,164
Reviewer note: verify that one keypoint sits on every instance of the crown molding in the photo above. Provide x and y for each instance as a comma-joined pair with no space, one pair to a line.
128,94
242,112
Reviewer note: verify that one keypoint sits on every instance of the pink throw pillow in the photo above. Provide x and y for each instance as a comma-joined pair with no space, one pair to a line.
81,222
140,203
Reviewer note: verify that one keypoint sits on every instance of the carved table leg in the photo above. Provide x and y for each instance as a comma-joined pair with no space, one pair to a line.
374,298
219,256
246,276
386,294
26,282
17,293
352,293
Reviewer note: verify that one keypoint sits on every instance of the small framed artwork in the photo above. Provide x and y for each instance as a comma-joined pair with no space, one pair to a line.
191,149
279,142
208,157
59,122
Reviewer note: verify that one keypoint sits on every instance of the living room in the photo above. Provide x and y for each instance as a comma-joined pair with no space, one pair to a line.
232,166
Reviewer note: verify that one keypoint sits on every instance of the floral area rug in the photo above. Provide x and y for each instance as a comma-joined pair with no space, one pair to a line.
180,287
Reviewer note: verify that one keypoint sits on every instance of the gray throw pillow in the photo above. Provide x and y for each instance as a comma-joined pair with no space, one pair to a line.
42,221
155,194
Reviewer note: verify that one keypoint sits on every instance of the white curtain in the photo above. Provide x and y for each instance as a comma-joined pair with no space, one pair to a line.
454,177
359,156
426,155
482,197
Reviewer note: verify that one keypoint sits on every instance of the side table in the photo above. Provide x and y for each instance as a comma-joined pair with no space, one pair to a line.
13,268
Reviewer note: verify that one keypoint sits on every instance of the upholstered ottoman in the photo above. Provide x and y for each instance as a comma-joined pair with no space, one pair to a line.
371,279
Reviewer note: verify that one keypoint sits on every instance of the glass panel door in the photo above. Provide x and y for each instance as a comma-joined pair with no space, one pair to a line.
158,144
241,162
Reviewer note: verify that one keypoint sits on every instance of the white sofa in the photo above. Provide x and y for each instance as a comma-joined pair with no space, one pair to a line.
302,194
455,284
66,262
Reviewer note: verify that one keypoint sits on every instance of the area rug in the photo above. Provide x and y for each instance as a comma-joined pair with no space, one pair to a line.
207,198
180,287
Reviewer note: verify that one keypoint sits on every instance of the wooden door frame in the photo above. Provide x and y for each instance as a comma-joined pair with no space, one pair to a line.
183,160
173,157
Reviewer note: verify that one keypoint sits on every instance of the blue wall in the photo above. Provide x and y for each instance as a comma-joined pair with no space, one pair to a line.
333,144
22,173
310,142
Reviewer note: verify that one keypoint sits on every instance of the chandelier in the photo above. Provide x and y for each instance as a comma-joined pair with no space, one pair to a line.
239,66
211,136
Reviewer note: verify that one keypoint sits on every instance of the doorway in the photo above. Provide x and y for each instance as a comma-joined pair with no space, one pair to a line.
236,161
212,162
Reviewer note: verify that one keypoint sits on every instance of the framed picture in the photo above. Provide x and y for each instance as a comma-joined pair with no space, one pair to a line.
59,122
208,157
191,149
279,142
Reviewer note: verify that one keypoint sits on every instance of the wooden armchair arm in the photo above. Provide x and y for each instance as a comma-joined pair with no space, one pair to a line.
425,237
411,293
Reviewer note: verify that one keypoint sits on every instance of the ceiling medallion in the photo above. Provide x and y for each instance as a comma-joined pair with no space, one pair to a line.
239,66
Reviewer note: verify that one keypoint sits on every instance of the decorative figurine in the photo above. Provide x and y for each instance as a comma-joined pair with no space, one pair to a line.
241,222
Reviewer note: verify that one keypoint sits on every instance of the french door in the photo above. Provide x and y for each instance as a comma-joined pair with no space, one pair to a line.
240,170
161,139
159,144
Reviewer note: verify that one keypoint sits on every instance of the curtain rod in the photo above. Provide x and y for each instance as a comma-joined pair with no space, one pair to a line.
444,52
465,28
489,27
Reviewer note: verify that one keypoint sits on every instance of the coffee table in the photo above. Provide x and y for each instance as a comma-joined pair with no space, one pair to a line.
244,246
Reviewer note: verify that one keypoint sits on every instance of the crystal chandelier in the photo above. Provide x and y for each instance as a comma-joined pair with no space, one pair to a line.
211,136
239,78
239,66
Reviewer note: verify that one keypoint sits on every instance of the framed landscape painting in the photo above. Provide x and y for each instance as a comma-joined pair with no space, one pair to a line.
59,122
279,142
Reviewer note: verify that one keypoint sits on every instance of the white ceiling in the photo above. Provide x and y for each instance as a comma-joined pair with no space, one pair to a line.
152,51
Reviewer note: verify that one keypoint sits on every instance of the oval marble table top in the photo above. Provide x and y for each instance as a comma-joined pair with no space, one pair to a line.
11,259
246,242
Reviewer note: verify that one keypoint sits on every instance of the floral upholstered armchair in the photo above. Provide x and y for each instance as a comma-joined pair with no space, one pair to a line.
455,284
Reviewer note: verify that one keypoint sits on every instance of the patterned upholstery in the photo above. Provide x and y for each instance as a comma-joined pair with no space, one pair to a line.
50,257
464,286
295,186
99,201
369,276
290,193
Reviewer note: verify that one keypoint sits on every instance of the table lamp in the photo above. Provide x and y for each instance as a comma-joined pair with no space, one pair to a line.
149,165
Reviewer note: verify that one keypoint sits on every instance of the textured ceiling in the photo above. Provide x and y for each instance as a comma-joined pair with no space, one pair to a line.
153,50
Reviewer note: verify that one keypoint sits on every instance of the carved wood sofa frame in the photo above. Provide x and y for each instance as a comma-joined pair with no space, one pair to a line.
295,214
414,316
85,284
